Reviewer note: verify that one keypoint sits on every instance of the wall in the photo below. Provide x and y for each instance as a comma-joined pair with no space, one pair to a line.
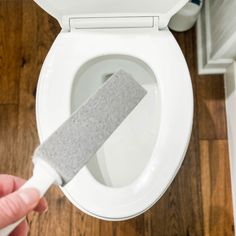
216,32
223,27
230,93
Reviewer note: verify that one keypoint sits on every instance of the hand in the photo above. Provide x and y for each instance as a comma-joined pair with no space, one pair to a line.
15,204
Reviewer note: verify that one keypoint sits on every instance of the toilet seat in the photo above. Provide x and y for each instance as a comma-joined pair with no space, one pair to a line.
138,29
160,51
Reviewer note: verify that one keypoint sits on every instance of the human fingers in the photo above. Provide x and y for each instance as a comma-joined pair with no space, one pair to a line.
16,205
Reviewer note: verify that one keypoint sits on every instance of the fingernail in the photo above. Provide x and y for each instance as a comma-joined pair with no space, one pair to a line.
45,210
45,207
29,196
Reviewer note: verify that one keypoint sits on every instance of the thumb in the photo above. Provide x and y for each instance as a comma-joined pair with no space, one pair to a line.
16,205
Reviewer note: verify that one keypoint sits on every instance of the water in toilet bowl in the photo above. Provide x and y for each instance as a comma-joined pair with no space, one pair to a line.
125,154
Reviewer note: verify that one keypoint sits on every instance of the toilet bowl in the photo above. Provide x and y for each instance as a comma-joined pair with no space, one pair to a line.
135,166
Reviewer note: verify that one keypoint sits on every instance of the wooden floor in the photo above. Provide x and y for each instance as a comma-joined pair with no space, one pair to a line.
198,202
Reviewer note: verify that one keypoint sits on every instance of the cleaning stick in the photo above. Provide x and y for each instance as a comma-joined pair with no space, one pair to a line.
74,143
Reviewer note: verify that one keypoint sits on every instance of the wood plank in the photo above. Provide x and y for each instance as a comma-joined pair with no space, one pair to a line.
132,227
37,37
83,224
57,220
216,188
10,61
107,228
211,107
8,138
208,92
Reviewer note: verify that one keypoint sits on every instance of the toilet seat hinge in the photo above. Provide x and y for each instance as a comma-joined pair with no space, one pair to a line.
75,23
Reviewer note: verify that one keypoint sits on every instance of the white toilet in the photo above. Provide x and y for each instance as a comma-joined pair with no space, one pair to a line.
136,165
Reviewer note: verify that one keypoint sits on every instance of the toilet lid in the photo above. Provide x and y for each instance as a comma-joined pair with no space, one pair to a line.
161,8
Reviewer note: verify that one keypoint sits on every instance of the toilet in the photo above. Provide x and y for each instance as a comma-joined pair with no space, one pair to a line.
136,165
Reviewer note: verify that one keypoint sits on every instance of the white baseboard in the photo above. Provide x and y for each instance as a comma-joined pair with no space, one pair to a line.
206,63
230,100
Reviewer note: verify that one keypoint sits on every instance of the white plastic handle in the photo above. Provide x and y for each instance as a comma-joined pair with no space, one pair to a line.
43,177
